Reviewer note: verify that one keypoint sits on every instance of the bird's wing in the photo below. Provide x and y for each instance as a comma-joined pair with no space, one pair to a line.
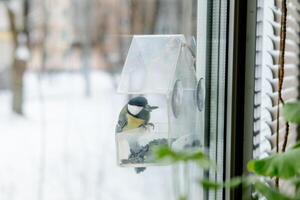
145,115
122,122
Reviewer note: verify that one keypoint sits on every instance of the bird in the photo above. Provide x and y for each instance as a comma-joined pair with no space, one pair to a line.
135,114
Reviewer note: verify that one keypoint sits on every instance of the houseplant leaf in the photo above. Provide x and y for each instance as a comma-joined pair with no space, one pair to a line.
269,192
284,165
232,183
167,154
292,112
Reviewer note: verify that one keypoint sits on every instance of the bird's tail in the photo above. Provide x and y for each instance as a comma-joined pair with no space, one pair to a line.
139,169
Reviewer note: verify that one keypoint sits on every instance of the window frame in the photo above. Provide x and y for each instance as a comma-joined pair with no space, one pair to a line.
212,52
240,91
236,100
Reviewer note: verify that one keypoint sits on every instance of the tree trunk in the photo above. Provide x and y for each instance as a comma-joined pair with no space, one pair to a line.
187,18
150,10
17,70
86,49
17,73
167,18
137,18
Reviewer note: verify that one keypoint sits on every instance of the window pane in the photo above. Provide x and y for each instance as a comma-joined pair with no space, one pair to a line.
59,110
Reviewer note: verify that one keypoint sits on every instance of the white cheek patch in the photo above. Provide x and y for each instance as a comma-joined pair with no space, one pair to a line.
134,109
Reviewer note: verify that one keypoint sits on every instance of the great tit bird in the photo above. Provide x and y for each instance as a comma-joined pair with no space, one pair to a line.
135,114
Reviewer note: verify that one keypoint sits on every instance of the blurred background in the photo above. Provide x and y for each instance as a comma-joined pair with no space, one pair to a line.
59,66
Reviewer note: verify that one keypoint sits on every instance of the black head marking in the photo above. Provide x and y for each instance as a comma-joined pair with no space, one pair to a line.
138,101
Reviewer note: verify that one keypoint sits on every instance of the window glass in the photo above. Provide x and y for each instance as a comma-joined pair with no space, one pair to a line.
58,101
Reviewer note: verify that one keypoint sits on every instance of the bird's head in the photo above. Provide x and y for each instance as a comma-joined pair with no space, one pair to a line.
137,104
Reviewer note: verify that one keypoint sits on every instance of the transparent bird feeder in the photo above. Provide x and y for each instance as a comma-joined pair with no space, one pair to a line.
160,68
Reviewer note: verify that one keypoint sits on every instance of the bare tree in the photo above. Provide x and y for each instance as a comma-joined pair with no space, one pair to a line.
143,16
81,12
168,20
86,50
151,11
187,17
20,58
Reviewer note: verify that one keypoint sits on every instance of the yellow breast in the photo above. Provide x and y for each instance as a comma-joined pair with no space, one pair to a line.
133,122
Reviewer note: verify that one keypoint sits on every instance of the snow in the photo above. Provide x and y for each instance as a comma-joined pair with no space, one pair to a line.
76,134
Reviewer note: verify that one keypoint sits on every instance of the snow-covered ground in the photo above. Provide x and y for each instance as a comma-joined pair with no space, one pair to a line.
64,146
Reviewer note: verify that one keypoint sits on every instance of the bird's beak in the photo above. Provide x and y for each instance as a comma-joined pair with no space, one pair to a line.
150,108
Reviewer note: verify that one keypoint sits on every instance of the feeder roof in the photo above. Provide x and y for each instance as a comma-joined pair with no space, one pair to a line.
150,64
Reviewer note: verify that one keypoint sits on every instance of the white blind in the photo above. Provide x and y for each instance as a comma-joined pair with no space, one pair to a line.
266,75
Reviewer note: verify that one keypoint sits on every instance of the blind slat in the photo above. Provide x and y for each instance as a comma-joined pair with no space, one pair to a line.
266,74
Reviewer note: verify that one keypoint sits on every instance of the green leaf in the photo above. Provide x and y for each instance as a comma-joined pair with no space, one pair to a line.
269,192
292,112
232,183
182,198
210,185
297,145
283,165
294,181
166,154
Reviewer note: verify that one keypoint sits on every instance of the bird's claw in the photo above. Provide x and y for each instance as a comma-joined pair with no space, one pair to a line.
152,125
146,126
